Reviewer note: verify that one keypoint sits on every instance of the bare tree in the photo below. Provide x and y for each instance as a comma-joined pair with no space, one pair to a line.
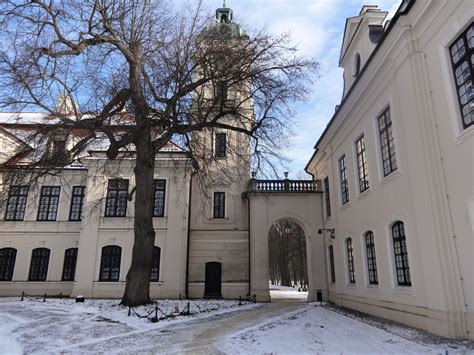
137,74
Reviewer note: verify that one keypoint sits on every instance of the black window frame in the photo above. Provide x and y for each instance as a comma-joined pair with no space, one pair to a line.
18,207
332,265
69,264
400,251
7,263
220,145
362,164
372,272
387,143
219,204
111,256
47,210
159,195
118,190
467,57
221,91
155,264
77,201
350,260
39,264
327,196
344,180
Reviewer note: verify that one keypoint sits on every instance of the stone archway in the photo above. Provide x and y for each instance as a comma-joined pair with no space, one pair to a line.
287,256
304,209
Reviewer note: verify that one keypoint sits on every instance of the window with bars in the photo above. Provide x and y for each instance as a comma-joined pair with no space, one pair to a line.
371,258
331,264
16,203
69,267
362,165
159,204
7,263
116,201
77,199
49,202
39,264
219,204
327,196
221,91
350,261
387,145
344,182
110,263
155,265
401,254
462,60
220,145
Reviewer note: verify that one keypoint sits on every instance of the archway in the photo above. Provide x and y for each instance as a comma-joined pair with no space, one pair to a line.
287,269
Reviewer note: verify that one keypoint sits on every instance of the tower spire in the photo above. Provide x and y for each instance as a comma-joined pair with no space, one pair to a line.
224,5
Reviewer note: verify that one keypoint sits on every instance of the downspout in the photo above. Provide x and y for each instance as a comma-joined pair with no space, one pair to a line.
188,234
248,221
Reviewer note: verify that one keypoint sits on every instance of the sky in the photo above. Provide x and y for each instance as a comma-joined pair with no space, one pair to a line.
317,28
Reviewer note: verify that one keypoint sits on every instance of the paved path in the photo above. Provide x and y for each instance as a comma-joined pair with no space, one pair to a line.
193,337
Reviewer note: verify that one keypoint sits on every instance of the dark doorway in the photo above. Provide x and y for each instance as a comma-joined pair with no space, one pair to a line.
213,280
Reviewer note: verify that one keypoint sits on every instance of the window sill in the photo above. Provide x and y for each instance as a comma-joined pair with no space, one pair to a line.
407,290
393,175
465,134
364,194
345,206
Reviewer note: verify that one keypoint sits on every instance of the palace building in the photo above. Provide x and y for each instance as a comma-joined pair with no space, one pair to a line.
388,218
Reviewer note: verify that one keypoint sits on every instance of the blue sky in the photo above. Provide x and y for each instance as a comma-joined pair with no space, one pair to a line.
316,27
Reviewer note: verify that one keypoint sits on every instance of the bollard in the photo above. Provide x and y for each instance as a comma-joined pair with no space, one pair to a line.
189,308
44,299
22,295
319,297
254,298
60,295
180,296
240,300
129,311
156,313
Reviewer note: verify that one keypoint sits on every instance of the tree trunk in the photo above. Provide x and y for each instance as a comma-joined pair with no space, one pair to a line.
137,287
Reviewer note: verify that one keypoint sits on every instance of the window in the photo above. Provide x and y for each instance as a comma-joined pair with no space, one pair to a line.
357,65
39,264
69,267
344,182
7,263
362,165
159,204
155,264
387,146
331,263
77,200
49,201
350,261
462,59
327,197
219,204
221,91
110,263
16,203
220,145
117,194
401,255
58,147
371,259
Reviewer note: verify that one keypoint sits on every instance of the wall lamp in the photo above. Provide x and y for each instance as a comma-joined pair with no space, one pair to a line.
330,230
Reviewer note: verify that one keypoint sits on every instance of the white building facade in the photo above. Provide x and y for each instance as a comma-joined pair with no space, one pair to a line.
397,165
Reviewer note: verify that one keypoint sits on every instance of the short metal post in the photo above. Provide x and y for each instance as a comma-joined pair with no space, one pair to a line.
240,300
180,296
60,295
129,311
156,313
44,299
22,295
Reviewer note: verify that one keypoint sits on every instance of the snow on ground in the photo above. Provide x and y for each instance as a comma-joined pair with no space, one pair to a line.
278,292
315,330
283,327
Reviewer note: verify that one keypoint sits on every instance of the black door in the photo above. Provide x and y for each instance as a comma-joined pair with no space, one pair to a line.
213,281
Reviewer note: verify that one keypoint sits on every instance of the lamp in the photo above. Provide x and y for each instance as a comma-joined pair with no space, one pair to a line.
332,232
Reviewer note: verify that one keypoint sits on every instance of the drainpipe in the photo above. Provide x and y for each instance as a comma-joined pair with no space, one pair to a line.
188,234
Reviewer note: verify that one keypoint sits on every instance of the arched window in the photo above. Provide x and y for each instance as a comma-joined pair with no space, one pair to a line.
401,254
39,264
350,261
371,259
69,268
7,263
331,263
110,263
155,264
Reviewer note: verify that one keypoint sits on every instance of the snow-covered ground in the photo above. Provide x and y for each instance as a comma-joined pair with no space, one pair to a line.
283,327
283,292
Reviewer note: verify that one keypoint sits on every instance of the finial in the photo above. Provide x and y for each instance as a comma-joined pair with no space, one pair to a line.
224,5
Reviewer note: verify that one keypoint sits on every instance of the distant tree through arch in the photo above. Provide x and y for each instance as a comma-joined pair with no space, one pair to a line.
287,254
